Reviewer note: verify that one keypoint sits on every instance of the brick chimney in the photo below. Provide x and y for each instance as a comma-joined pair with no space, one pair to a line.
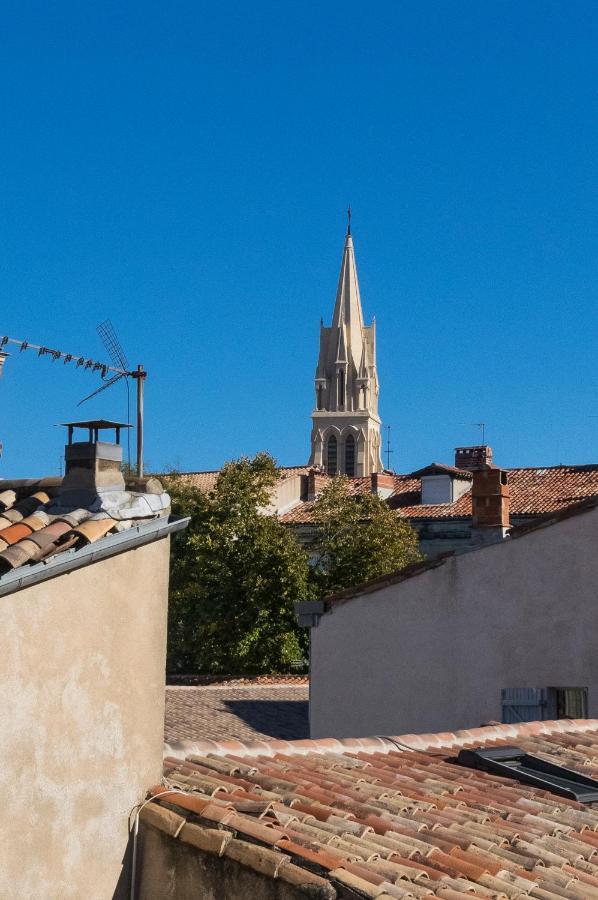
383,484
490,500
472,458
316,481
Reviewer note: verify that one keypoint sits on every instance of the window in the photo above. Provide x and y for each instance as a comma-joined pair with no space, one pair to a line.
331,455
319,403
350,456
341,388
568,702
538,704
514,762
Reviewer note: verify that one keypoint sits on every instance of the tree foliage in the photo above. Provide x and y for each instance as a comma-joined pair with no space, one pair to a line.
359,537
236,572
235,576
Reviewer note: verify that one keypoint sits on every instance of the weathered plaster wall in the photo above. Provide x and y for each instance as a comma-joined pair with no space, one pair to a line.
285,494
432,653
171,869
82,661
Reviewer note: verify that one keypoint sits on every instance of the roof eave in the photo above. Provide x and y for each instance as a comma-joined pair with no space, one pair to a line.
110,545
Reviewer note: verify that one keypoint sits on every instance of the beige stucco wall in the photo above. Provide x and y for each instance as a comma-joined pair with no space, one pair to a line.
82,661
285,494
433,652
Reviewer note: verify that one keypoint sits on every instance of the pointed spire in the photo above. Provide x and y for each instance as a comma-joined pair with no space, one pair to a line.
347,381
347,309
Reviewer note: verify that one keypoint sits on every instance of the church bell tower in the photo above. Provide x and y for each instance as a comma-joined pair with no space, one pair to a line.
345,436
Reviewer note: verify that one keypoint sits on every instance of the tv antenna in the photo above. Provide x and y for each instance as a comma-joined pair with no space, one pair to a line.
481,426
388,451
109,374
121,367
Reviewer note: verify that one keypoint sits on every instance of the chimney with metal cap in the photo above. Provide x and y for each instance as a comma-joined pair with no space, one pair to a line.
92,466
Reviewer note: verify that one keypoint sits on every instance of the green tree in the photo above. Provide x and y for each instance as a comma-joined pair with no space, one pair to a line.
359,537
236,573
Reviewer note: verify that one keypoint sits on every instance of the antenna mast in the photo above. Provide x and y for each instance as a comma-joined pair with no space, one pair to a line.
482,427
388,451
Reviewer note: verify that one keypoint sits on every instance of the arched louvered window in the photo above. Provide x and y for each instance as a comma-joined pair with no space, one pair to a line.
350,456
331,455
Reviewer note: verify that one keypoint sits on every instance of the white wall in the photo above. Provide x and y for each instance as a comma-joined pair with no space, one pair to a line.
437,489
432,653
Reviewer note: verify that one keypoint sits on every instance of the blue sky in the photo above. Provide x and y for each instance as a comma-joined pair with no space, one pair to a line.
184,169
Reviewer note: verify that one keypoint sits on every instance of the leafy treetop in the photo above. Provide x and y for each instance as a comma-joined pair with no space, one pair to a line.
236,573
359,537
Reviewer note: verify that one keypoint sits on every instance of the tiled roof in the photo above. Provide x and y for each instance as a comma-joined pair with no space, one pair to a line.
34,526
237,711
390,817
206,481
534,492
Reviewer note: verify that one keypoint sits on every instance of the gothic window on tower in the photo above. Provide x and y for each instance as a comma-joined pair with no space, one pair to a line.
331,455
341,388
319,401
350,456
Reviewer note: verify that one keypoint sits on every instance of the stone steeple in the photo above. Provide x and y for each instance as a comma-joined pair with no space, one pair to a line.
346,426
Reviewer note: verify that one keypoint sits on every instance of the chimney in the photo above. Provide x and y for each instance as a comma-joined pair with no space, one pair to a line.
472,458
316,481
92,466
490,500
383,484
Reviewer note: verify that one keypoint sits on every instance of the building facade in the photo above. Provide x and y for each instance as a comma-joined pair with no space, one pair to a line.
84,565
345,436
504,632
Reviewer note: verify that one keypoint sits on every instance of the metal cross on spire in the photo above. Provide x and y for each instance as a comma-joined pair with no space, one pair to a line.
349,219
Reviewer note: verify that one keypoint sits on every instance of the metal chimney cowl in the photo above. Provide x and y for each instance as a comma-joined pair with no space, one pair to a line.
90,469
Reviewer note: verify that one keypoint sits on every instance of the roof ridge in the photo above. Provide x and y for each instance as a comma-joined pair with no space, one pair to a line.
382,743
580,467
214,471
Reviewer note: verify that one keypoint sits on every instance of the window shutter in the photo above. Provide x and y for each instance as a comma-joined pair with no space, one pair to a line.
523,704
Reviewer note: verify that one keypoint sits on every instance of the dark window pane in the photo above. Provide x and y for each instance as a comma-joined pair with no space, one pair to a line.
350,456
331,455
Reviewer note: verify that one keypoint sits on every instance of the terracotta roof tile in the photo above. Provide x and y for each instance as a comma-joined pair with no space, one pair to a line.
33,526
534,492
376,815
206,481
